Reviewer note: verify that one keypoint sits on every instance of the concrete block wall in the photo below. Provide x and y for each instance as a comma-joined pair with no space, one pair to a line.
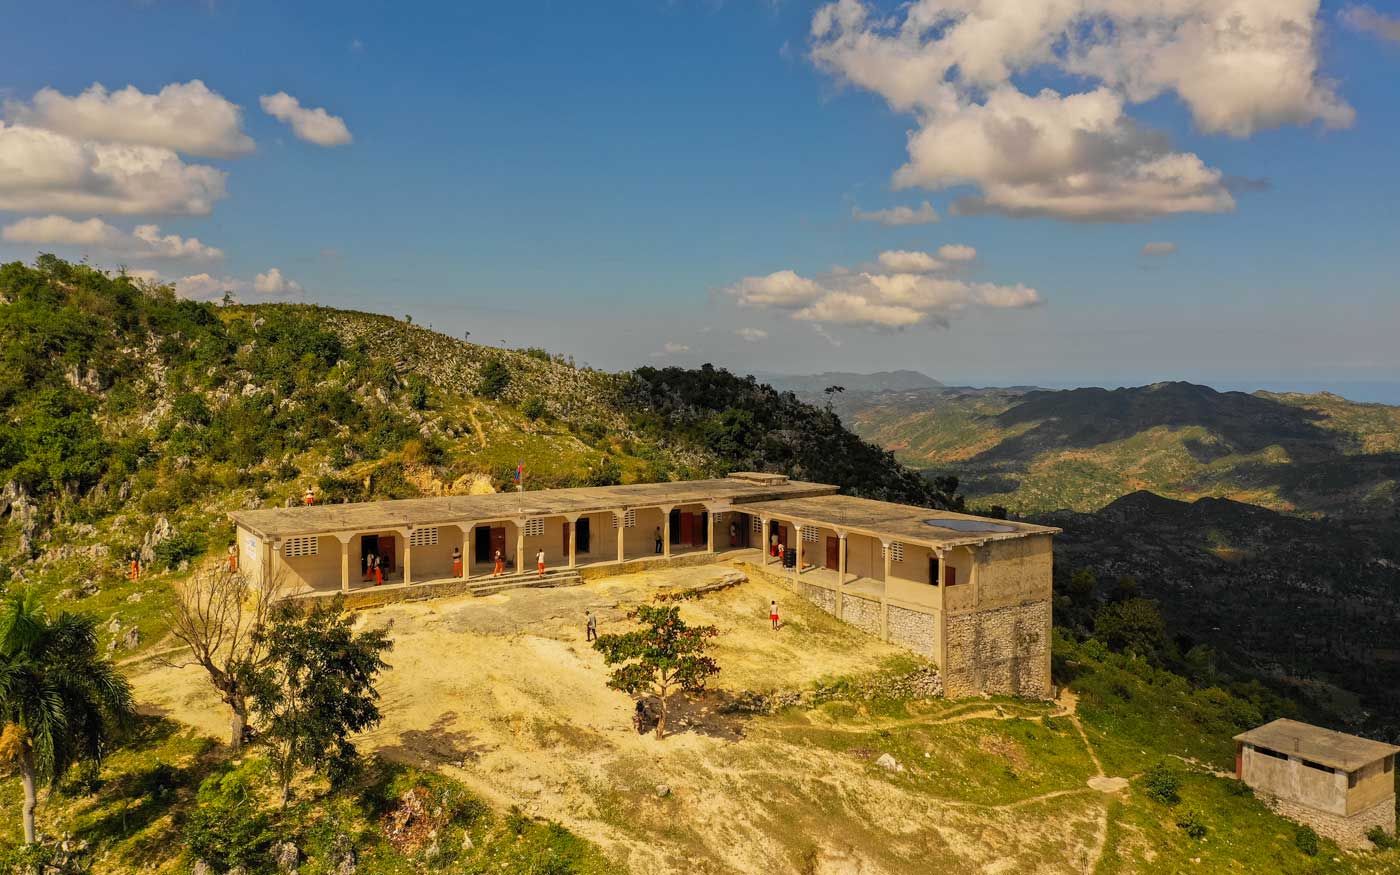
819,596
862,613
915,630
1349,832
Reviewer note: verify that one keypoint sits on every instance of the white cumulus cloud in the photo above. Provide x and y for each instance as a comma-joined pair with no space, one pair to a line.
1368,20
271,283
901,261
957,252
1238,66
143,241
312,125
894,217
183,117
900,293
47,171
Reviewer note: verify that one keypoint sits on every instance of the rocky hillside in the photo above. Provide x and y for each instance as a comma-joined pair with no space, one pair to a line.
1040,450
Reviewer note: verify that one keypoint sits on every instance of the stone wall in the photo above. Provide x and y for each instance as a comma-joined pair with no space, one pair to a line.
915,630
1349,832
862,613
1003,651
819,596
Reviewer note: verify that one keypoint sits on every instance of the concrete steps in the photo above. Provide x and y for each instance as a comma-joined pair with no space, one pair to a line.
492,585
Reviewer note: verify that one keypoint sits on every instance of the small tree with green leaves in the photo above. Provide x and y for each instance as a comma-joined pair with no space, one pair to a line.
661,657
315,689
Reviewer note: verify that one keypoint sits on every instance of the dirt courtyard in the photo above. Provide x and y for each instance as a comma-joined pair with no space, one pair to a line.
504,694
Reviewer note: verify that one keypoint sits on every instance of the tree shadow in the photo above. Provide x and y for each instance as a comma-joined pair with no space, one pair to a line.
439,744
713,714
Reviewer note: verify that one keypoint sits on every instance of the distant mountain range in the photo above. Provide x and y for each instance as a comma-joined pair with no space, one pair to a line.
1080,449
814,385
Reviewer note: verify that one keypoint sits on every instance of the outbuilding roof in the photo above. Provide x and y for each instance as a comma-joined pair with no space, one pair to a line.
1325,746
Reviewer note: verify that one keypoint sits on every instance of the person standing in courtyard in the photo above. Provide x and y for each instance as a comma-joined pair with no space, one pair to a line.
456,561
590,626
773,543
539,560
658,539
378,572
368,574
773,614
500,565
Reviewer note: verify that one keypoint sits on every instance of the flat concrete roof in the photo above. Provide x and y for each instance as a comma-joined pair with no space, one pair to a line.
372,516
1325,746
918,525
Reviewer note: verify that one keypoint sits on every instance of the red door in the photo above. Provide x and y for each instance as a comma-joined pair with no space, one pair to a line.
386,553
687,528
782,537
833,553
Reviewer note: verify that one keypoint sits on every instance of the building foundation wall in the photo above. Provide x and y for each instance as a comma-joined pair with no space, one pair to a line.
1002,651
1349,832
862,613
915,630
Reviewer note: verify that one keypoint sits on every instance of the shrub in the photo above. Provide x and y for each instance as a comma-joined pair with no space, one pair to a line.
495,377
178,548
533,408
1191,823
1162,784
228,827
1381,839
1306,840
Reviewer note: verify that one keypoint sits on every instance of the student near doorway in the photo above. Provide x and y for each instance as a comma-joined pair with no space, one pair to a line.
456,561
500,567
658,539
539,560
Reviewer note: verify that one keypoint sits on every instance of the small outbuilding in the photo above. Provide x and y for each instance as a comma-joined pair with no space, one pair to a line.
1341,785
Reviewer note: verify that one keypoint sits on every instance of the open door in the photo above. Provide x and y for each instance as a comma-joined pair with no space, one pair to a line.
386,553
581,532
498,542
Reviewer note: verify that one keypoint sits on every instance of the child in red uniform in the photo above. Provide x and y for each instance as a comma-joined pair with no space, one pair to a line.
456,561
773,613
378,572
500,565
539,560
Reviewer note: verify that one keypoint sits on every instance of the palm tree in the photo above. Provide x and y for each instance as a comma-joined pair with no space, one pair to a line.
60,699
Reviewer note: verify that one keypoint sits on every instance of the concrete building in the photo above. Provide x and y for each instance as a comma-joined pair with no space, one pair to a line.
1341,785
971,594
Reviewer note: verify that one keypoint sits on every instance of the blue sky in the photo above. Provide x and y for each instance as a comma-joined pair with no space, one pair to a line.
602,180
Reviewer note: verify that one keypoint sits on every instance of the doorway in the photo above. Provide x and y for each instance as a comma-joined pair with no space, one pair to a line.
833,553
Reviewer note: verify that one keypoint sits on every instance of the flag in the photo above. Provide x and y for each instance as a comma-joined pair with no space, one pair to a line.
519,473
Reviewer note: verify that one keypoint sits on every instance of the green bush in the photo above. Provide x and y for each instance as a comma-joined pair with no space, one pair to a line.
495,377
533,408
1381,839
228,826
1190,821
1162,784
1306,840
177,548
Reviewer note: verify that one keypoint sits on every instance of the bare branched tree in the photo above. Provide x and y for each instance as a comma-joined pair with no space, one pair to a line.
218,616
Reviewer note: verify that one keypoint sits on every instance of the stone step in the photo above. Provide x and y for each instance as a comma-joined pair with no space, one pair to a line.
493,585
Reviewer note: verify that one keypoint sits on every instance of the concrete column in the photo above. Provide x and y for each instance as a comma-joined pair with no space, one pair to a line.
797,565
468,548
884,597
666,532
763,537
841,560
344,562
710,539
407,556
573,542
621,517
520,547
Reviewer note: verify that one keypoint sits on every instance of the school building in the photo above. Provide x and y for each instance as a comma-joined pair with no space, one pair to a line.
971,594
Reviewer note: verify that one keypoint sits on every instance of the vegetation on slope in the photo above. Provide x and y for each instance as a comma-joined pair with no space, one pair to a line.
1080,449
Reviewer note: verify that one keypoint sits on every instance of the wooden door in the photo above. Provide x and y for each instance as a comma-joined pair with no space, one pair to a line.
833,553
950,575
498,542
386,553
687,528
782,536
